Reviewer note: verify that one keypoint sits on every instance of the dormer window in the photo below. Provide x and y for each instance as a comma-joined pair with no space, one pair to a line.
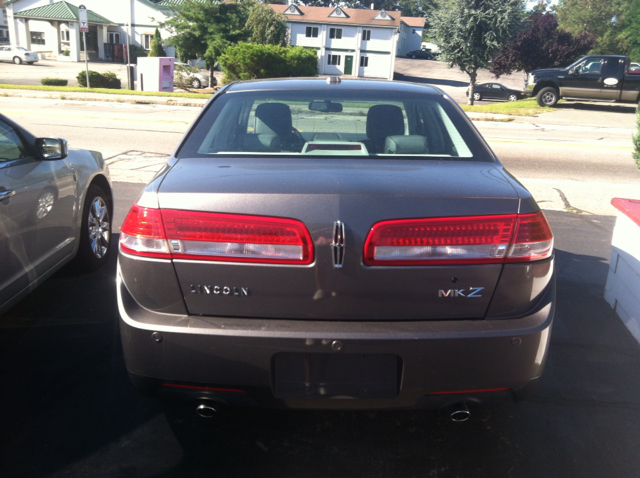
293,10
383,15
339,13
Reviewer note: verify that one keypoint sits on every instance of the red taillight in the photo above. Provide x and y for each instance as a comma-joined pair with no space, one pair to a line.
216,237
142,233
459,240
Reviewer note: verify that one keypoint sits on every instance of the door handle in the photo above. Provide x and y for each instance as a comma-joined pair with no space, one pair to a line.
6,195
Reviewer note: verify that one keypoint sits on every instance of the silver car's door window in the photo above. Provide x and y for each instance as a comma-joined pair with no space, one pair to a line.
37,213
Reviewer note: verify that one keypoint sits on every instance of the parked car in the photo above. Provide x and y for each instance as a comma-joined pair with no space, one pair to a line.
55,205
189,76
326,243
495,91
422,54
593,78
18,54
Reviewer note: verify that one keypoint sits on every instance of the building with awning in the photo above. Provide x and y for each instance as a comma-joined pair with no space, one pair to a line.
52,28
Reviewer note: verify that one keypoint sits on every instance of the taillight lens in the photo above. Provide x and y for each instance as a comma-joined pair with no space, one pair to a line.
459,240
217,237
142,233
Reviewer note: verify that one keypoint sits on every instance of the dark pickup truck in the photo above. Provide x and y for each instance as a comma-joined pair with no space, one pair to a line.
593,77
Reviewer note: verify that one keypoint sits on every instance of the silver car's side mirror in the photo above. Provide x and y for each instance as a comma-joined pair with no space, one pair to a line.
52,148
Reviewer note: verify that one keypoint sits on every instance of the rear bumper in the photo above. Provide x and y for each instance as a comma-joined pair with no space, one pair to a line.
232,360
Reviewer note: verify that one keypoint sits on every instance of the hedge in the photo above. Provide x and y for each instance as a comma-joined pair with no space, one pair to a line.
54,82
99,80
247,61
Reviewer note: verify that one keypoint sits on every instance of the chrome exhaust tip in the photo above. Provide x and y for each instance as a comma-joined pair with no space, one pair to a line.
460,413
206,410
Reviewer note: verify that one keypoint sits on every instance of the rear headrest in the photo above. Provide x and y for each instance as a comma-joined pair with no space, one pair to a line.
384,120
273,118
412,144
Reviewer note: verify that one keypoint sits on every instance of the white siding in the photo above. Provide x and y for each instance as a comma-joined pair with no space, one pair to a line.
348,40
381,39
299,38
379,66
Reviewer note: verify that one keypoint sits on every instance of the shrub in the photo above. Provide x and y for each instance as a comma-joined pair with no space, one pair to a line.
135,52
636,140
247,61
54,82
111,81
156,45
66,53
98,80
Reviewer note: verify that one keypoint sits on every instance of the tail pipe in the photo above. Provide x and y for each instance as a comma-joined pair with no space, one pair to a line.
206,410
460,412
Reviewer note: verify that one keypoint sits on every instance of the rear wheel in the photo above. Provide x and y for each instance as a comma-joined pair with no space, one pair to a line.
17,60
29,63
95,235
413,56
195,83
548,96
477,96
513,98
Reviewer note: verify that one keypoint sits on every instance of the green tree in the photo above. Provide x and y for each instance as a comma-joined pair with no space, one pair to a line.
248,61
156,45
630,30
601,19
470,32
267,26
205,28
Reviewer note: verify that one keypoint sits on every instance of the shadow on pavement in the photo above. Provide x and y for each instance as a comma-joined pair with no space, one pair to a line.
608,107
431,81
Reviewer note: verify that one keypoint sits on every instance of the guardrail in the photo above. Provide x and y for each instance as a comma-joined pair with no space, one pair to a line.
622,290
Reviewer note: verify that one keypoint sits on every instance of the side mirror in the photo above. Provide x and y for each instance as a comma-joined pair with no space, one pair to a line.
572,71
52,148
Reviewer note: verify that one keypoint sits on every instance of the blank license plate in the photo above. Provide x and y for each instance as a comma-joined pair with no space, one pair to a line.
360,376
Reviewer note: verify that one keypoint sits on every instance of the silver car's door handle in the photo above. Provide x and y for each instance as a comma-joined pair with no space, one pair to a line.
6,195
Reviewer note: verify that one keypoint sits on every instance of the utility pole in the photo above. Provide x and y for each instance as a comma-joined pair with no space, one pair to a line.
84,28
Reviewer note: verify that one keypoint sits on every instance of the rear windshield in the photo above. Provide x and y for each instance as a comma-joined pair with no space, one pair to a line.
333,123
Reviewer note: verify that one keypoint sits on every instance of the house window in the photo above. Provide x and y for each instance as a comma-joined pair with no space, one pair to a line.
37,38
364,61
312,32
114,37
64,35
333,59
335,33
366,35
146,41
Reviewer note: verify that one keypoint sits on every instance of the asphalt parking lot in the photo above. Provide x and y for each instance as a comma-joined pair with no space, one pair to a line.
70,410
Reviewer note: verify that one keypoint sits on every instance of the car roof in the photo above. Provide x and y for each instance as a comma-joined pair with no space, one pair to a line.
321,84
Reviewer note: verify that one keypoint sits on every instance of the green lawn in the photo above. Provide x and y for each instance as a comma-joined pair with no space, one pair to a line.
516,108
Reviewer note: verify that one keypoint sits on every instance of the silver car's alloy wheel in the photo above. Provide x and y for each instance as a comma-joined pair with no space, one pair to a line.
99,227
17,60
45,204
195,83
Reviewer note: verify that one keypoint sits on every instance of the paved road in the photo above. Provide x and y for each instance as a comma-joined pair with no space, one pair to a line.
68,408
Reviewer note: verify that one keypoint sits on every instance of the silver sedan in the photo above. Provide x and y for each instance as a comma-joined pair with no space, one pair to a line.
55,205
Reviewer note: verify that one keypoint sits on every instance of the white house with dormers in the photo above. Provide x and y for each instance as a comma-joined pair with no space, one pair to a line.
51,27
349,41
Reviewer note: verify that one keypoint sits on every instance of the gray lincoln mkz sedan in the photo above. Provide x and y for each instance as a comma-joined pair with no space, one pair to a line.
327,244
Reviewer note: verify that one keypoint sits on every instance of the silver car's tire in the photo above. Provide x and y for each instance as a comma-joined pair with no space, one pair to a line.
477,96
513,98
195,83
548,96
17,60
95,235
